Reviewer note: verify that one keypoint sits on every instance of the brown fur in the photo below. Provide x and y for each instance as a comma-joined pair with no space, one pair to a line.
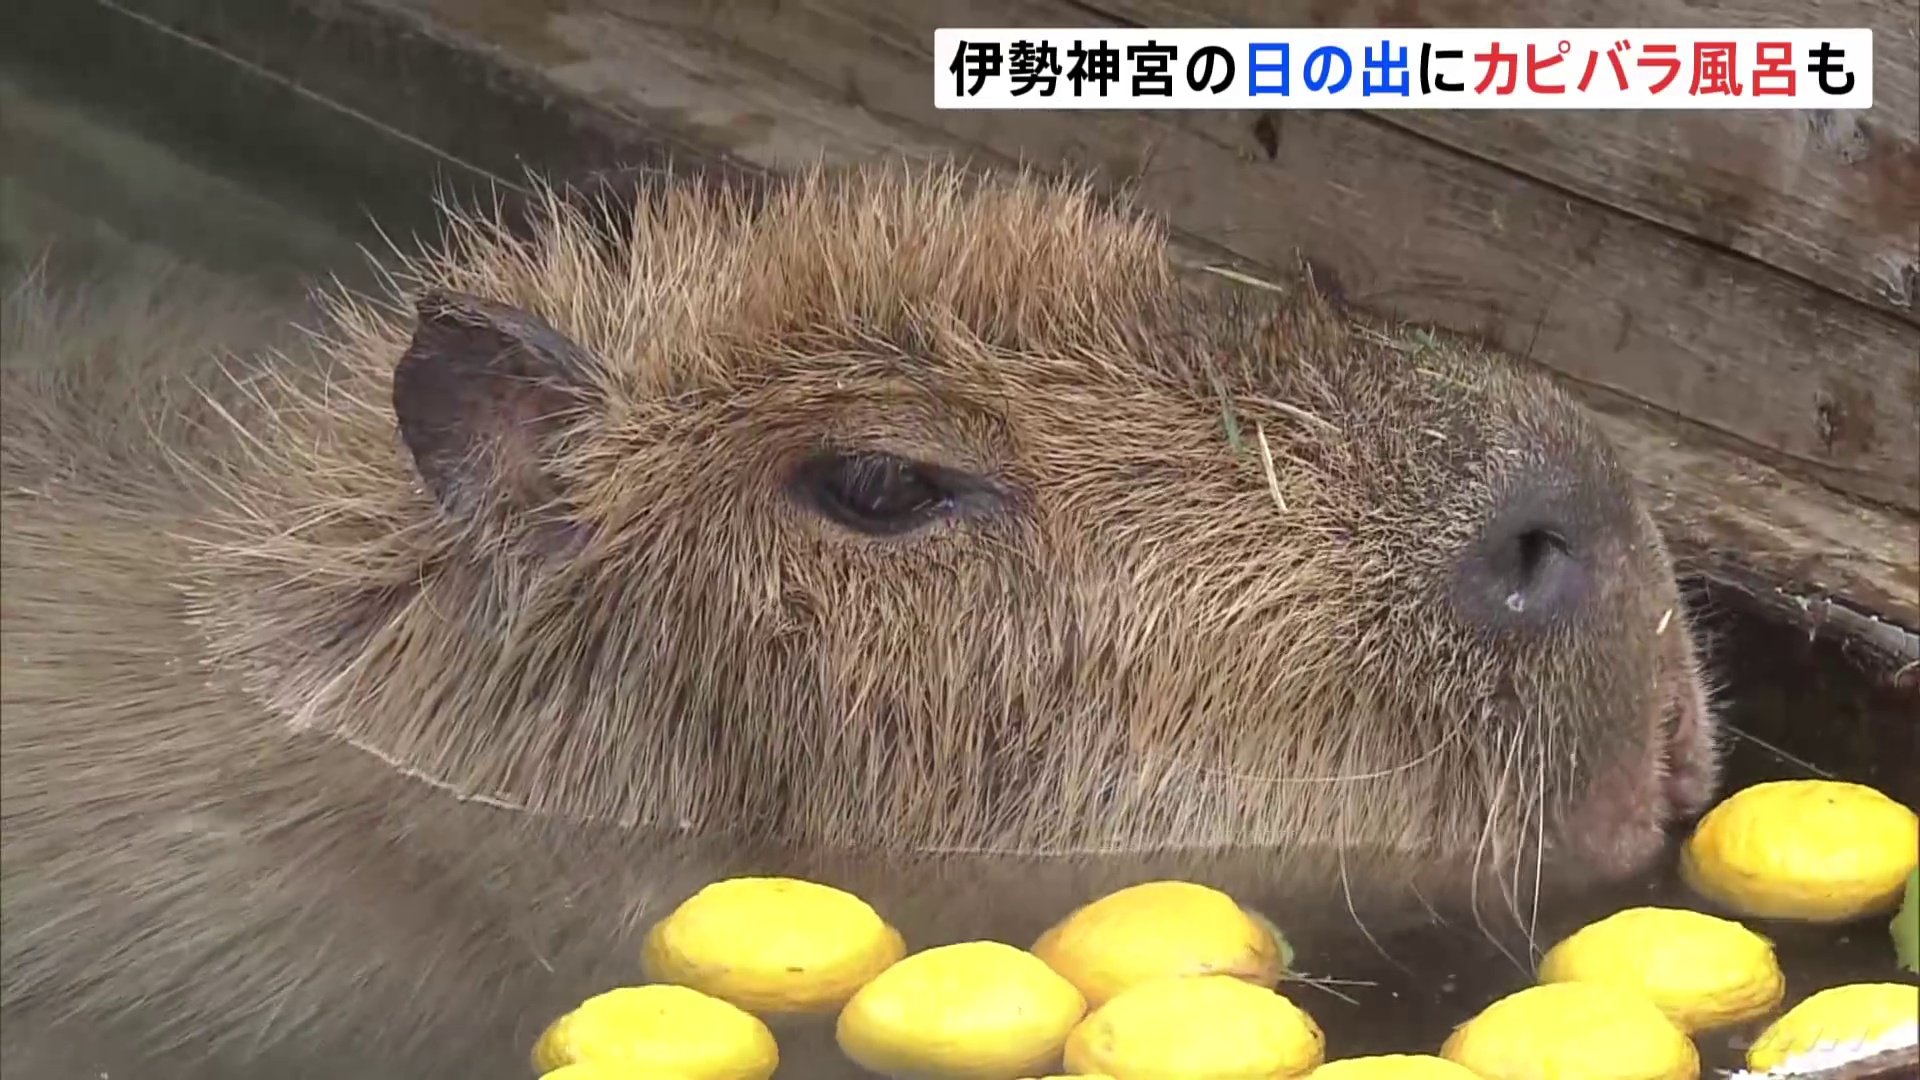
300,763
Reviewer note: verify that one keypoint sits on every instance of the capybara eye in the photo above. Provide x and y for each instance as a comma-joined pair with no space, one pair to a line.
882,494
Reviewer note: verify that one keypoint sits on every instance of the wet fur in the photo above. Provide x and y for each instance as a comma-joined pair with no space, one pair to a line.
299,767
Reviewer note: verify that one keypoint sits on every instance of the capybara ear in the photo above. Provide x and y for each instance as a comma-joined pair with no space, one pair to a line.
480,394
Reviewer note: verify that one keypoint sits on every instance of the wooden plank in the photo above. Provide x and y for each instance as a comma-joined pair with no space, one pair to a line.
1833,198
1803,378
1792,545
330,95
68,182
1819,556
686,88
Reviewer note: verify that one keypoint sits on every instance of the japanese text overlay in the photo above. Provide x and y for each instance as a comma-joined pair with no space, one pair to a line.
1119,68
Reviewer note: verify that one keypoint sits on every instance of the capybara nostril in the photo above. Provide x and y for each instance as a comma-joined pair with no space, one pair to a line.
1533,574
1535,562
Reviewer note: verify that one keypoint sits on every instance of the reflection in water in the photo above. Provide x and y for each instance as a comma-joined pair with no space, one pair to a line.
1393,960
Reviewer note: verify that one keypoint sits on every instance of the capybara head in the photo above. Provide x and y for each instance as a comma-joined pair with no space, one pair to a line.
901,509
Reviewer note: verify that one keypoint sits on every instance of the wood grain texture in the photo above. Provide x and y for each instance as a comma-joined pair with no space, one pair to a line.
1830,197
1781,540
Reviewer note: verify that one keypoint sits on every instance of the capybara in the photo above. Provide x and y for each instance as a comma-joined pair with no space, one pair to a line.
933,533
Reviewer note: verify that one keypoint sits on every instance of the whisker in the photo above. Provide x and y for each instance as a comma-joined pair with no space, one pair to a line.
1486,839
1540,839
1346,881
1326,984
1781,754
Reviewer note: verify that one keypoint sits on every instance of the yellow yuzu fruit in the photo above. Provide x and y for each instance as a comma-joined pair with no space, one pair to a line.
1157,929
982,1010
1703,971
1839,1023
1393,1067
1196,1027
673,1029
1812,850
1573,1031
772,945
